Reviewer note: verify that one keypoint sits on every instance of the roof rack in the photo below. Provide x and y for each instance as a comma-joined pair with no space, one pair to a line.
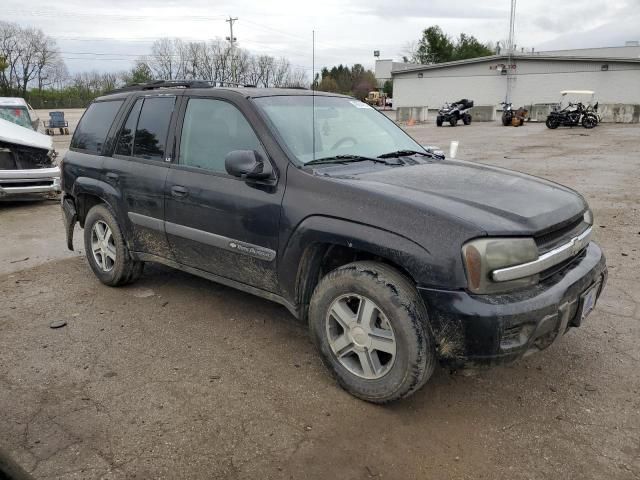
156,84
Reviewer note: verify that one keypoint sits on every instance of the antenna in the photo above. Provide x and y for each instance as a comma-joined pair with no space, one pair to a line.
313,90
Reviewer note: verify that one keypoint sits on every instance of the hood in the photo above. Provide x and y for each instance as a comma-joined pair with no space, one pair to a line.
495,200
15,134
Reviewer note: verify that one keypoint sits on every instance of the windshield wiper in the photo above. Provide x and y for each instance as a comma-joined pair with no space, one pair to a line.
350,159
404,153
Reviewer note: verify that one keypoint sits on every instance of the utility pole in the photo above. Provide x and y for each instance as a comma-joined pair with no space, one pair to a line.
231,38
232,42
510,50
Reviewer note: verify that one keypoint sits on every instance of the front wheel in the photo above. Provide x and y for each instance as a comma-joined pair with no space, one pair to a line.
370,327
106,249
506,120
453,121
439,121
552,123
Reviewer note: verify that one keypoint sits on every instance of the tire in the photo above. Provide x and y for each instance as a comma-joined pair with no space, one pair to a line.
552,123
466,119
453,121
113,272
439,121
506,120
588,121
397,312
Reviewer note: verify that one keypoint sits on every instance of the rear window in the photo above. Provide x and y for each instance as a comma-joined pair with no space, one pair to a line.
17,115
92,131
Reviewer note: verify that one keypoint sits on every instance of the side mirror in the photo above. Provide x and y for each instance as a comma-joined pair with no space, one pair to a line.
247,164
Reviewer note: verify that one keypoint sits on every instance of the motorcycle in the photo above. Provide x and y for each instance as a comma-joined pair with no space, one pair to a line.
572,116
455,111
509,114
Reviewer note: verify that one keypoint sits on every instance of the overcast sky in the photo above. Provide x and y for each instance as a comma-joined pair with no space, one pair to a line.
109,34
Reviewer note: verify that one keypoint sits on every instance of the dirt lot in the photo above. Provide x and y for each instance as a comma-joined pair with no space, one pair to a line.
177,377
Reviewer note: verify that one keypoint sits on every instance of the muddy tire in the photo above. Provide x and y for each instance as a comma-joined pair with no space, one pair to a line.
106,249
371,329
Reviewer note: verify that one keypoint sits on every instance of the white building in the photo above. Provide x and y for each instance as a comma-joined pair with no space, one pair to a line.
532,79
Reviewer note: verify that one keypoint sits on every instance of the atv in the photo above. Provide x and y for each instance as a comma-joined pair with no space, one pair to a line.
455,111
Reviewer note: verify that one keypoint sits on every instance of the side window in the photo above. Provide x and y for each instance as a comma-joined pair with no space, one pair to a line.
125,140
211,129
153,125
94,126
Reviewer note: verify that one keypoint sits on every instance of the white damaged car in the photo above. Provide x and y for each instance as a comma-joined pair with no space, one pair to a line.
27,163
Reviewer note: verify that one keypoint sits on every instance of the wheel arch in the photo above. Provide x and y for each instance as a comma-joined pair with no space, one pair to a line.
322,244
88,192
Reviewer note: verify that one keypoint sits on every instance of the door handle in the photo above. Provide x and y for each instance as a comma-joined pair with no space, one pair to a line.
178,191
113,176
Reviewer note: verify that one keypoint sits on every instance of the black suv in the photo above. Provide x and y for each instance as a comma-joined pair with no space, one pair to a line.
397,258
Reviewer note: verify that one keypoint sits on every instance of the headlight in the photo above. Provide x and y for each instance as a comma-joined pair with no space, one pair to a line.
484,255
588,217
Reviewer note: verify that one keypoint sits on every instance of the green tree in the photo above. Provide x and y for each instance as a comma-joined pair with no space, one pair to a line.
387,88
468,46
328,84
435,46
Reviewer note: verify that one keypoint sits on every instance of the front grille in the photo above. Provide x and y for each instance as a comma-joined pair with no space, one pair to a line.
559,236
549,273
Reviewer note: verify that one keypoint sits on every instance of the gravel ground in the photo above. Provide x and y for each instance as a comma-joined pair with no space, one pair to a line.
177,377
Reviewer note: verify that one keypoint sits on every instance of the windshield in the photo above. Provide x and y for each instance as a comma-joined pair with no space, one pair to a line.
17,115
343,126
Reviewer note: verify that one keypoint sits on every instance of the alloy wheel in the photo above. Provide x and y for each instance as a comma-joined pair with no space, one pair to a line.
103,246
360,336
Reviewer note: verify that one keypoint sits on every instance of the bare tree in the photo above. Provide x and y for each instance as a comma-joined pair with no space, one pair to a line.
218,62
29,56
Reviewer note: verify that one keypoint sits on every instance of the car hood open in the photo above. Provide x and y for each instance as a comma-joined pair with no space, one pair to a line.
498,201
17,135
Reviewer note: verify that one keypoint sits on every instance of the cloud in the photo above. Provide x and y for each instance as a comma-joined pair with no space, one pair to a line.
347,31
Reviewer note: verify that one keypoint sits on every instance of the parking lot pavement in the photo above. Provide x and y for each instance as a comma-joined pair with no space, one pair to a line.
177,377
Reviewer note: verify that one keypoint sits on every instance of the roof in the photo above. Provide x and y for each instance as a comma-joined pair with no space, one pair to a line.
13,102
535,57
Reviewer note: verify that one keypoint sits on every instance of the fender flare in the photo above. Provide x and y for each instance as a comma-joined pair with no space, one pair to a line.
361,237
108,194
97,188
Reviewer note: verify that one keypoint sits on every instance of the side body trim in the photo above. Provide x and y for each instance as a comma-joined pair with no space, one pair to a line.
200,236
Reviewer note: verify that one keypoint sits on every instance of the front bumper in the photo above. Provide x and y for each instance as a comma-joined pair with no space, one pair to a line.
490,329
14,183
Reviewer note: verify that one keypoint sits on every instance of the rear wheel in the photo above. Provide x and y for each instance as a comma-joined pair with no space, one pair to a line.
370,327
589,121
552,123
466,119
106,249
